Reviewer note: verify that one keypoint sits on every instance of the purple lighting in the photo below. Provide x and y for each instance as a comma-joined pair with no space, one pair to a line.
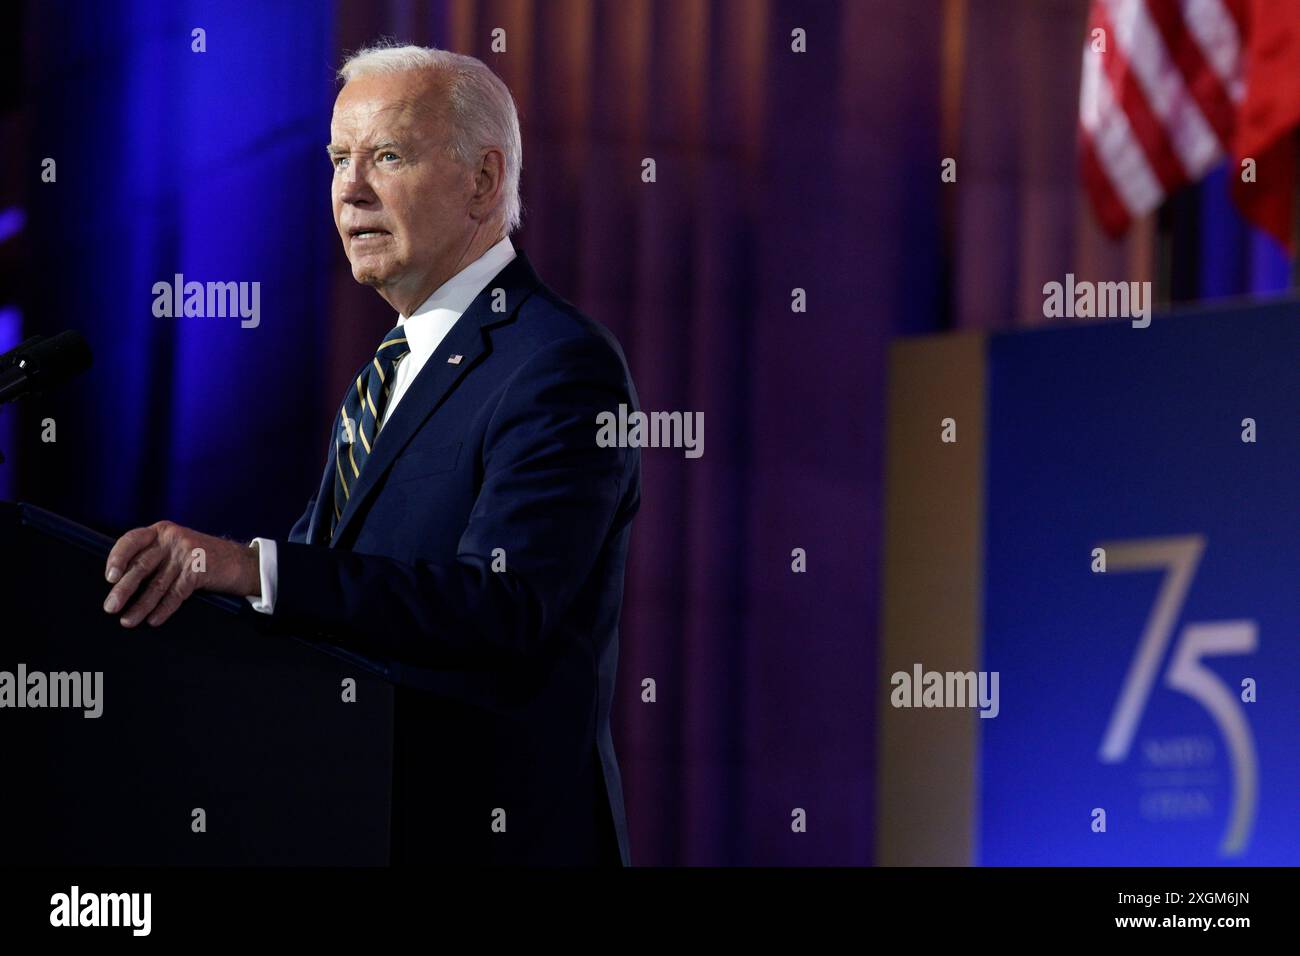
11,222
11,324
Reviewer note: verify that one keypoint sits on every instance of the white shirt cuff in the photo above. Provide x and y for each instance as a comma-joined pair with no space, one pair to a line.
267,569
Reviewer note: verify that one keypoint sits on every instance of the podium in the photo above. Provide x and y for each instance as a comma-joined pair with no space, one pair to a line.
212,717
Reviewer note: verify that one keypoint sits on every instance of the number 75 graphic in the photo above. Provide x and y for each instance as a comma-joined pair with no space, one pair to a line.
1178,558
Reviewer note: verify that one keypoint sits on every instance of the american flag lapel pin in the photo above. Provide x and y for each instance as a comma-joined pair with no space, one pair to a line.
454,359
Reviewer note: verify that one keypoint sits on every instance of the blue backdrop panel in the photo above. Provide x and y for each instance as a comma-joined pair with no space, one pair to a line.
1122,691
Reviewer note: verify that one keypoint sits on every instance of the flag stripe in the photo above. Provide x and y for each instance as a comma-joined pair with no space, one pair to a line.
1219,38
1238,10
1114,216
1147,129
1118,155
1174,112
1198,77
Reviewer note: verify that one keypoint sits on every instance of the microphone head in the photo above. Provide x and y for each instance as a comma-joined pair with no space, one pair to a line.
10,357
53,361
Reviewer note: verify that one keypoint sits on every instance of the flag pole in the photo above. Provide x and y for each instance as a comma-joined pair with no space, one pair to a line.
1163,267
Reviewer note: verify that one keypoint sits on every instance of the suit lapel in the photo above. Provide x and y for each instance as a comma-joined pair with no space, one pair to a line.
324,497
468,338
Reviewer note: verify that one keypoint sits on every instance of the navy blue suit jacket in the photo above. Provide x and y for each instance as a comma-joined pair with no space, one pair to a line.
503,677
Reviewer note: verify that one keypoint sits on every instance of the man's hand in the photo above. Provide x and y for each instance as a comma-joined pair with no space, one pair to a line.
166,563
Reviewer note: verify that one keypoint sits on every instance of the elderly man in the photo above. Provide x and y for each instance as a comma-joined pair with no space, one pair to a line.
469,532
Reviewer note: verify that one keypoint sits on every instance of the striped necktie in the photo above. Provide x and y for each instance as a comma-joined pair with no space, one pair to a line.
362,410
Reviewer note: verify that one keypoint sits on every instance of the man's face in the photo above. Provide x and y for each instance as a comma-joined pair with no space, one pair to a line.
400,202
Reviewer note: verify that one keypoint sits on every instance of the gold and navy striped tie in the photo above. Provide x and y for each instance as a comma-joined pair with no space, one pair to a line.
359,424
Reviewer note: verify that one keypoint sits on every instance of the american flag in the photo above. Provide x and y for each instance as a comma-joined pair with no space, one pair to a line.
1171,87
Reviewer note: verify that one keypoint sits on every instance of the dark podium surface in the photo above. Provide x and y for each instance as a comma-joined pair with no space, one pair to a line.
210,711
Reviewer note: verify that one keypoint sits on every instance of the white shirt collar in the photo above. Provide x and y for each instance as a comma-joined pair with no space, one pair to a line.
428,324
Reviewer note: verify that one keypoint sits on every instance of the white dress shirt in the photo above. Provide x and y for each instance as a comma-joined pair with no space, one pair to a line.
426,327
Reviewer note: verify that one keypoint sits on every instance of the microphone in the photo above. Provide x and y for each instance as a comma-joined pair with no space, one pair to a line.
25,343
39,365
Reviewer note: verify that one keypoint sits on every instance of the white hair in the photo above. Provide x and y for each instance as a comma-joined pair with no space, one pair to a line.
481,110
